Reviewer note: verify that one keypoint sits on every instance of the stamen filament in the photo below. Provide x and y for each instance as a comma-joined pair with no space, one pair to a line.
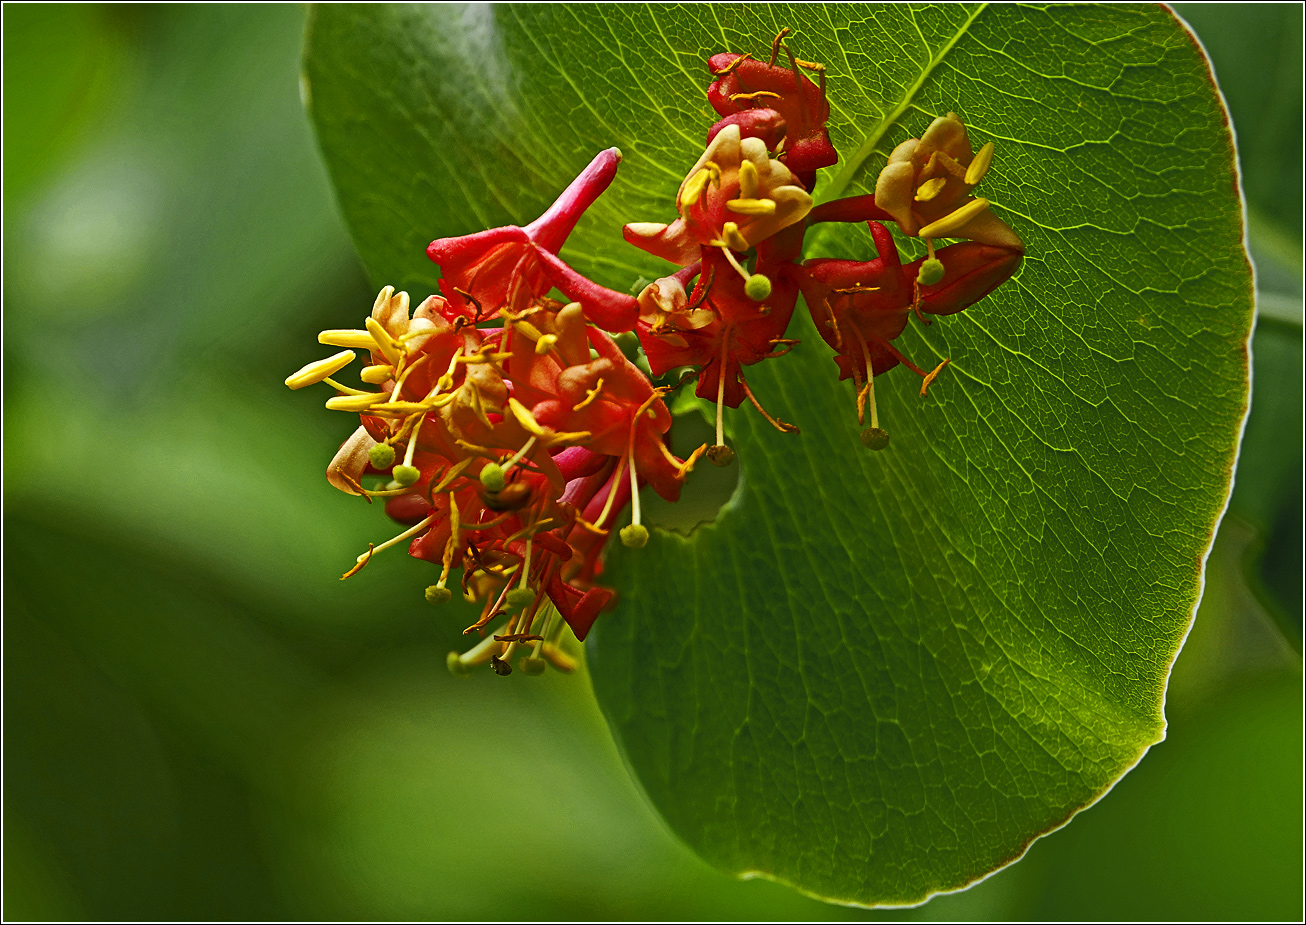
721,397
344,388
411,531
518,455
734,263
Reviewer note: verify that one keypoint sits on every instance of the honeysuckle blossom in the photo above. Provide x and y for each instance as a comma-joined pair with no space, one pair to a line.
927,184
734,197
507,434
746,89
500,268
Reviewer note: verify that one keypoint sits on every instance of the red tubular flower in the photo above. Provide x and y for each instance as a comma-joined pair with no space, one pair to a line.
719,329
500,268
744,85
860,307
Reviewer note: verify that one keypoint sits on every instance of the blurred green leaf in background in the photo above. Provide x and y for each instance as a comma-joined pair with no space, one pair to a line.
201,721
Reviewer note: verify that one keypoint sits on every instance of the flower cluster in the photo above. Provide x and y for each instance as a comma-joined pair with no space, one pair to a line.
508,429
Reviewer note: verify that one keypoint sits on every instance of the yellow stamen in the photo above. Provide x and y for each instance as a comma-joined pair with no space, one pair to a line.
405,408
748,180
735,263
403,376
590,395
377,375
545,343
362,560
340,337
775,44
930,188
517,457
734,240
355,402
932,374
721,396
732,65
525,418
411,531
751,206
320,369
694,187
754,95
344,388
386,344
980,165
532,426
955,221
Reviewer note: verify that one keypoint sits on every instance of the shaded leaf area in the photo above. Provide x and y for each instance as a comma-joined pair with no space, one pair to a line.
876,676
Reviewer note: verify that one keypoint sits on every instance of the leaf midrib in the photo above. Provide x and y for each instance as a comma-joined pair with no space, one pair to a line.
845,176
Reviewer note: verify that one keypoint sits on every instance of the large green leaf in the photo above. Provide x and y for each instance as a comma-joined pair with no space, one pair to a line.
875,676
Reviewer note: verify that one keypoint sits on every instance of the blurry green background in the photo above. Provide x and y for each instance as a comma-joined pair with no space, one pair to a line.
202,721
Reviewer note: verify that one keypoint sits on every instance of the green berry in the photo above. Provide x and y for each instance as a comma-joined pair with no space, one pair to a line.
757,288
530,665
634,536
456,666
520,597
931,272
382,456
406,475
437,595
875,438
492,477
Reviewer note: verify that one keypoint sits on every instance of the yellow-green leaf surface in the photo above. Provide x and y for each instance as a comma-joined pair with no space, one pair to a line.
876,676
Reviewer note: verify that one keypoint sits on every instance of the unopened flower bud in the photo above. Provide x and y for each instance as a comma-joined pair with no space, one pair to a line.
456,666
635,536
532,666
406,475
875,438
492,477
438,595
758,287
720,455
931,272
382,456
520,597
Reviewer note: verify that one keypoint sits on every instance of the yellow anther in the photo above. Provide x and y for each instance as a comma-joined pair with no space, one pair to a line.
810,65
545,343
752,206
980,165
359,340
930,188
319,370
590,395
384,342
748,181
694,187
527,330
754,95
355,402
954,222
377,375
525,418
734,240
